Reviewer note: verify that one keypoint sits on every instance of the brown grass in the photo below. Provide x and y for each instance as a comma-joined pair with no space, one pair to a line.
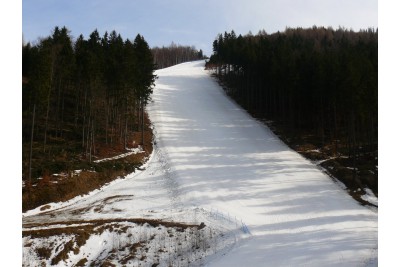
81,233
336,166
127,259
91,224
43,253
63,254
81,262
107,264
62,188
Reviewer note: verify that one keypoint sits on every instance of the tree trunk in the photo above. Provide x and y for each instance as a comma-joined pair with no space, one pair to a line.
30,153
84,118
126,125
48,106
142,104
107,115
47,121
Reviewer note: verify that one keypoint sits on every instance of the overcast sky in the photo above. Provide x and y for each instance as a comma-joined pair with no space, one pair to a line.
195,22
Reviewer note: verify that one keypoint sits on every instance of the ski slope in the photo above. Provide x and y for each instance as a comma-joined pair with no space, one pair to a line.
223,159
212,161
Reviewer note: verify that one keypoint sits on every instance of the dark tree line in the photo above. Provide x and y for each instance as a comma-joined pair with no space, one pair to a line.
86,91
321,80
175,54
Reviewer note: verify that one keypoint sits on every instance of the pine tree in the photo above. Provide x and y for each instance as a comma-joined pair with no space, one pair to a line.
144,75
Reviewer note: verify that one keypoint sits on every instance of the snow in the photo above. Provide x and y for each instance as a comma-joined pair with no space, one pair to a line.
215,164
370,197
132,151
225,159
152,244
82,198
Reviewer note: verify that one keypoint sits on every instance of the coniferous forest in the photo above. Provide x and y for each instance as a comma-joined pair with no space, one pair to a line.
318,85
77,95
317,88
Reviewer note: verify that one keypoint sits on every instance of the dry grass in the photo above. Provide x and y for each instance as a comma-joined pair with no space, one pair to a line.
127,259
63,254
106,263
64,187
332,160
81,263
89,225
43,253
79,231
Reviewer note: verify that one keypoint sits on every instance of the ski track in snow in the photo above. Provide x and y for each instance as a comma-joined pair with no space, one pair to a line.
211,156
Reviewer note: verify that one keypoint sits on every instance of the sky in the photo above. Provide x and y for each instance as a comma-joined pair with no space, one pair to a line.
191,22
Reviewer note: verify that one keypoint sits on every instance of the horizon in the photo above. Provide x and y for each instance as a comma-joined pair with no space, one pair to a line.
195,23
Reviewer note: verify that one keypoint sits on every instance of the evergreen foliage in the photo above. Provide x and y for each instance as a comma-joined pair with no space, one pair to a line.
318,80
85,91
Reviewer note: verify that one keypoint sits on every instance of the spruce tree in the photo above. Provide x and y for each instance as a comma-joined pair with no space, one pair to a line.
144,75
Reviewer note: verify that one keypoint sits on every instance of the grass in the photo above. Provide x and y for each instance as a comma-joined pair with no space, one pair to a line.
43,252
90,224
79,231
332,157
329,155
63,254
68,184
82,262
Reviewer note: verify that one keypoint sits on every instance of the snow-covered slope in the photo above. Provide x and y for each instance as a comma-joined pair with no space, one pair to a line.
223,159
213,163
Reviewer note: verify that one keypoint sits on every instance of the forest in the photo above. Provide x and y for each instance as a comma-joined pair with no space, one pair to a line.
79,96
317,88
175,54
317,85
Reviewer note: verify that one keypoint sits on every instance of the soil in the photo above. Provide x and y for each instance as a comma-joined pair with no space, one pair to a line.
332,158
356,173
56,177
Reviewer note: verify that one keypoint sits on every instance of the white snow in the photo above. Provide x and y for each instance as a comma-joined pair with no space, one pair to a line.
132,151
225,159
212,163
370,196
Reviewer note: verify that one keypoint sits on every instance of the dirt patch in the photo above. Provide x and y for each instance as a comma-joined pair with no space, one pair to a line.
89,224
112,199
68,183
124,248
355,173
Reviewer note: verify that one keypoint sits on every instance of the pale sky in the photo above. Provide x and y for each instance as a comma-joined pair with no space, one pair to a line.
191,22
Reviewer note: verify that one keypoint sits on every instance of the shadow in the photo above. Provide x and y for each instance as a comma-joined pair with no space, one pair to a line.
221,157
215,155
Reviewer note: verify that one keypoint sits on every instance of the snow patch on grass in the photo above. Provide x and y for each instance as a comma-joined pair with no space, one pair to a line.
370,197
59,205
134,244
132,151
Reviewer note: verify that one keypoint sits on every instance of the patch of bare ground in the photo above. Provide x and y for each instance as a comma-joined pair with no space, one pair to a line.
89,224
81,262
77,176
356,174
127,247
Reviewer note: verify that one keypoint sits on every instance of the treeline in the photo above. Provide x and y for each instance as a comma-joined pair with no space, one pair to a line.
165,57
76,94
319,80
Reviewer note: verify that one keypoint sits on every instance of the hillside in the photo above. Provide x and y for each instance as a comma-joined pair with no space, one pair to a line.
215,174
